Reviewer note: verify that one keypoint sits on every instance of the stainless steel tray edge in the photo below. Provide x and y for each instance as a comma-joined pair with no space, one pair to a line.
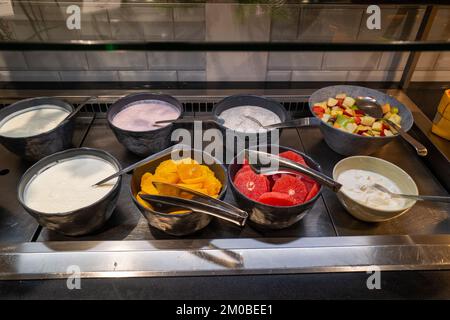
112,259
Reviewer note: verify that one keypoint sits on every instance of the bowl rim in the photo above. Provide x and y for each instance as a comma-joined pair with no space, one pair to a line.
312,200
42,133
169,150
112,160
155,98
217,105
390,164
311,105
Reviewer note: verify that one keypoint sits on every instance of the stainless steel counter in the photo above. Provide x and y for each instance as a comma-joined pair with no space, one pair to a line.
328,239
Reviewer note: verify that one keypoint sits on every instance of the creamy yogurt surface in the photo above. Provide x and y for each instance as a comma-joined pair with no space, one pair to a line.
67,185
33,121
142,115
234,118
356,184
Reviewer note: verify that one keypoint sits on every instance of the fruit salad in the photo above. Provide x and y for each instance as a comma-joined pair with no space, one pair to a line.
186,173
341,112
279,189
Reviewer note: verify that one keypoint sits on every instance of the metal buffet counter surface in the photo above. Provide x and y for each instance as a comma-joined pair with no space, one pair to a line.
328,239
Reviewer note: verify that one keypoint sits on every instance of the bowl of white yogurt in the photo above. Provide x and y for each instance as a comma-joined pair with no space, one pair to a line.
35,128
58,190
357,174
240,132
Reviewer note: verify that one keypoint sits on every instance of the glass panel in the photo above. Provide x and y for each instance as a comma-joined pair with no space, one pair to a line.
273,20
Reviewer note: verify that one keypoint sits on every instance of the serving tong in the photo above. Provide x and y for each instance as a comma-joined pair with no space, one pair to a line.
408,196
198,202
284,165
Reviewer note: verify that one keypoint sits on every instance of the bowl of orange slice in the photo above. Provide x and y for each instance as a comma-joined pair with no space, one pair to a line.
193,169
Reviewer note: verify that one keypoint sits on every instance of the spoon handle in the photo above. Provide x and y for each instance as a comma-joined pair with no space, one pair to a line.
316,175
423,198
420,148
80,106
134,166
297,123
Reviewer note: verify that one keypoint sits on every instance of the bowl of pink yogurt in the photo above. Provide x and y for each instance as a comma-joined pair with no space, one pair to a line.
133,119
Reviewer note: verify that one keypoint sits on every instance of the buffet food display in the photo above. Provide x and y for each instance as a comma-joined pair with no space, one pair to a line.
59,191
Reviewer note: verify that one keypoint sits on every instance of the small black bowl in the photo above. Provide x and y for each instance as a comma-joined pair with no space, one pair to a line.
80,221
36,147
143,143
246,140
267,216
177,224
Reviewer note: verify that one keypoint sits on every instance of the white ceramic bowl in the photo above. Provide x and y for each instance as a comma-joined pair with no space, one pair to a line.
360,211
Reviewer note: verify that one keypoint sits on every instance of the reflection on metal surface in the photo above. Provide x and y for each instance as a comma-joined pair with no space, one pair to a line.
224,257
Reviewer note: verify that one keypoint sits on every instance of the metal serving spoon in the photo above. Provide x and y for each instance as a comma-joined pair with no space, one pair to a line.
80,106
301,122
135,165
288,166
372,108
207,118
410,196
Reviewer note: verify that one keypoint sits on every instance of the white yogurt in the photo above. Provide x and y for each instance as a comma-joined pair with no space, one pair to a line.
234,118
33,121
356,184
67,185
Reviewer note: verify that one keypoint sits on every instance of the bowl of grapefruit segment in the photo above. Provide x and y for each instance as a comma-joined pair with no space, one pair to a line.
274,201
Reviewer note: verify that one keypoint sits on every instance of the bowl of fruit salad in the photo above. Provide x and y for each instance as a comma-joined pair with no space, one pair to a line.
350,131
276,201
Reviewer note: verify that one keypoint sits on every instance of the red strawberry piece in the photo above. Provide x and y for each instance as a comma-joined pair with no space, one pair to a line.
293,157
359,112
251,184
339,102
276,199
292,186
312,193
318,110
357,120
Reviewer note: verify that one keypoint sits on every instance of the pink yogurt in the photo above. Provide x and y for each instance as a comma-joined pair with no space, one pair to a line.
142,115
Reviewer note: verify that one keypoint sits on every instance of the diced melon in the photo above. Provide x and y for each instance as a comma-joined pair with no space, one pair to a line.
323,104
351,127
395,118
377,126
386,108
388,133
367,121
387,115
331,102
336,112
341,96
348,102
366,134
349,112
363,128
326,117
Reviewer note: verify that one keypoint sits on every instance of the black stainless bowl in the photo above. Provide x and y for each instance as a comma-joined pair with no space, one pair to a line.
36,147
350,144
143,143
177,224
246,140
267,216
77,222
